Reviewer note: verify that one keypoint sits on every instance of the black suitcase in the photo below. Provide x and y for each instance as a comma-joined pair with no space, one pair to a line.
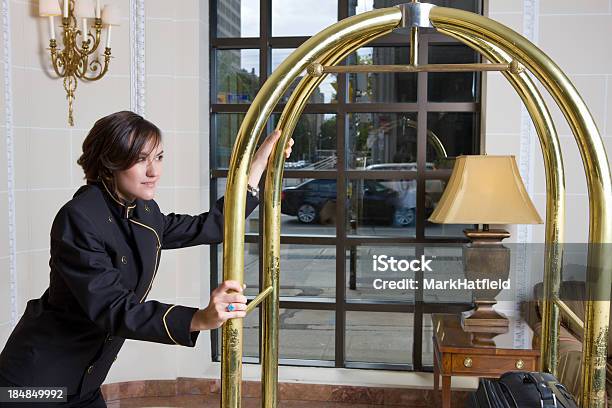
519,389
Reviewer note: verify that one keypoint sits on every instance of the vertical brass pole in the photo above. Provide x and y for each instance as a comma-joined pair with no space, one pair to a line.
598,177
376,21
287,122
414,45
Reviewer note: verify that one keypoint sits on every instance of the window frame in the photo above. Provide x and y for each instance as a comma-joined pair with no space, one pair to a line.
343,241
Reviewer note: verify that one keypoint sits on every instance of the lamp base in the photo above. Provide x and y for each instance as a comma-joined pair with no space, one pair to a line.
486,236
485,319
485,257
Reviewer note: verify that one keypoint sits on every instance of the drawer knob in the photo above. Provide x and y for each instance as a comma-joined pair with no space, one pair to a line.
520,364
467,362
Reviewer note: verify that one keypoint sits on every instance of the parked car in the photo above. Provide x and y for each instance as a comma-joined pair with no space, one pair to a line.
380,204
407,188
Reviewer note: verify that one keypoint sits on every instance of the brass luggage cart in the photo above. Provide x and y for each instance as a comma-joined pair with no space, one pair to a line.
519,61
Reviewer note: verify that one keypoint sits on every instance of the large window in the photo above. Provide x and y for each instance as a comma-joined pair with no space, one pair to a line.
381,145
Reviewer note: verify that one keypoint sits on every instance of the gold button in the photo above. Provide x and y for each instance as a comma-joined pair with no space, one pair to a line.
110,219
519,364
467,362
124,260
90,369
147,209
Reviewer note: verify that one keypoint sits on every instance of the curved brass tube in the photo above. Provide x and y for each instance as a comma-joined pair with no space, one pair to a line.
318,46
555,187
271,236
597,174
436,143
498,43
432,138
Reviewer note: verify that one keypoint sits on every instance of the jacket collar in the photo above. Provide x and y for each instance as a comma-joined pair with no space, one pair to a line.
122,208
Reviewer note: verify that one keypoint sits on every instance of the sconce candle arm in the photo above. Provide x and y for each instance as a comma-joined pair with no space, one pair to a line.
90,39
96,65
56,61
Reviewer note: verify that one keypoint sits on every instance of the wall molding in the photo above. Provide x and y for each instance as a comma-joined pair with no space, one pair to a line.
531,17
137,66
10,155
527,151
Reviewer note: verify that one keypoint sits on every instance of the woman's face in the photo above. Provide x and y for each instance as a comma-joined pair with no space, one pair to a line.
140,180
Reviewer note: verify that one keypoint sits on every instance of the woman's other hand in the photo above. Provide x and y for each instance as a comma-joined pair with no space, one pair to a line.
260,161
226,302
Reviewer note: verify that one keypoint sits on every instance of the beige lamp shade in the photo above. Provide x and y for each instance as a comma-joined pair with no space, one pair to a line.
485,190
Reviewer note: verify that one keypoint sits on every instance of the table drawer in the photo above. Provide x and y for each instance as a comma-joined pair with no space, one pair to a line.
479,364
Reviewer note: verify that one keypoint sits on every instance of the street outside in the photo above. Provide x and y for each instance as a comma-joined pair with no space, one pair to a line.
310,271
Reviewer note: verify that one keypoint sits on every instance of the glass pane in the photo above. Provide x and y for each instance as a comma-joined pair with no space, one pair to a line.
325,92
433,193
314,139
381,207
427,348
252,222
379,337
251,267
381,141
307,334
378,87
236,75
468,5
308,270
226,127
237,18
452,86
451,134
250,339
446,266
370,268
302,18
361,6
308,207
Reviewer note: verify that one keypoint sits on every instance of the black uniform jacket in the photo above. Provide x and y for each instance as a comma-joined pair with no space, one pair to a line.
104,256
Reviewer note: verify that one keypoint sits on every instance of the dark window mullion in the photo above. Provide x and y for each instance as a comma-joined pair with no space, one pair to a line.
341,144
214,277
287,42
381,175
265,14
417,322
214,267
235,43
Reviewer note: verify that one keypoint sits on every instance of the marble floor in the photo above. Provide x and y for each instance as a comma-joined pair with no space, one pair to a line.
210,401
202,392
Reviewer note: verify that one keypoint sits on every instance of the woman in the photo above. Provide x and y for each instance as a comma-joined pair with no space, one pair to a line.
105,248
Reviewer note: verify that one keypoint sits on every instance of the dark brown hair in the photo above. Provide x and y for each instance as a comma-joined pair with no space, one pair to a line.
114,143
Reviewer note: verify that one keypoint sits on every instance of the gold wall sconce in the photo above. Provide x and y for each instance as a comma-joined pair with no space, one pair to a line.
78,59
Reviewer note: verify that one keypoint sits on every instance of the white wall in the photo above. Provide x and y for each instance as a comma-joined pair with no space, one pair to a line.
176,93
576,36
46,149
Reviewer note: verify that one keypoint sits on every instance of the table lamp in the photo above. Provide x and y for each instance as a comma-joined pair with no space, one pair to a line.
485,190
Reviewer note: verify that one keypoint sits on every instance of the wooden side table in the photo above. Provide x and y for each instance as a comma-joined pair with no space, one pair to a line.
457,352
